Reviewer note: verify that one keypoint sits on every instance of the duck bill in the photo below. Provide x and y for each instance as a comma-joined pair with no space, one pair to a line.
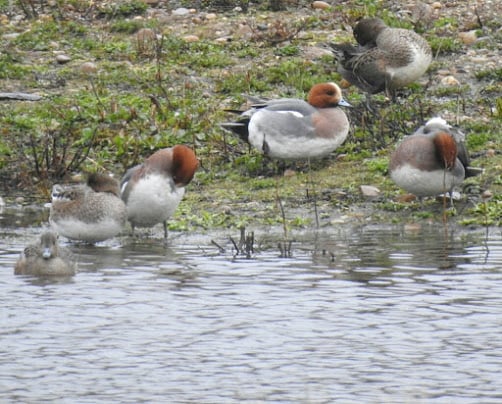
46,253
344,103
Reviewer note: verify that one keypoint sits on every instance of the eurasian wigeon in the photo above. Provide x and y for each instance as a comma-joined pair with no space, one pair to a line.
385,59
46,258
153,190
290,128
431,161
88,212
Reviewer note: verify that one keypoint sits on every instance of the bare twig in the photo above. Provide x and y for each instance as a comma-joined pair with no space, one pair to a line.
222,250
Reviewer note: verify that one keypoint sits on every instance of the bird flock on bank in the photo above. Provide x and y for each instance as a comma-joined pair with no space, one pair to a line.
431,161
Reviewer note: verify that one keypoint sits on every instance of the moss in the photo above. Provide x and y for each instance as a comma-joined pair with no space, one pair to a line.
490,74
444,45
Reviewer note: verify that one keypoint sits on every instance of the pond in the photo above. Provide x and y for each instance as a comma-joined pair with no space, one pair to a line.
372,313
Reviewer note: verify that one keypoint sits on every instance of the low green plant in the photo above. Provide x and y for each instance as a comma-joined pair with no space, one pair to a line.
443,45
488,213
445,91
489,74
50,145
378,165
122,9
126,26
287,50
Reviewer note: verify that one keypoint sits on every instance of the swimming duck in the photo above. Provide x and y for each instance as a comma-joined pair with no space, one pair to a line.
289,128
385,59
153,190
431,161
46,258
88,212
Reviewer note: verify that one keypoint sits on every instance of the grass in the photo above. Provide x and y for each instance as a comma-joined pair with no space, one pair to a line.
165,90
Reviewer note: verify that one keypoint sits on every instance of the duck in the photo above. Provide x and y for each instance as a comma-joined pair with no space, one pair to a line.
153,190
432,161
46,258
385,58
290,128
90,212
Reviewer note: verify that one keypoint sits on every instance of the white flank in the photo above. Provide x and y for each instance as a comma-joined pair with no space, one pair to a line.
153,200
422,183
89,232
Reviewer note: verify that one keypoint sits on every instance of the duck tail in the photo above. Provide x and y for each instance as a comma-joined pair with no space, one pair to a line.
239,128
473,171
343,51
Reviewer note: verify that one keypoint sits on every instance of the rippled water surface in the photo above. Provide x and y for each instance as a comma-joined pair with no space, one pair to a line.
364,314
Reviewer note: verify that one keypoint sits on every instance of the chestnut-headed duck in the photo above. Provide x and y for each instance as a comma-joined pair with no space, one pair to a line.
385,59
153,190
432,161
46,258
88,212
289,128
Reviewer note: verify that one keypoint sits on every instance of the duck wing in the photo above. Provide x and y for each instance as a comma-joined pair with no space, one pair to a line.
363,66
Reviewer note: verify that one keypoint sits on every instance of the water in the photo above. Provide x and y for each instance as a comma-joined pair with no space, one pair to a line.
358,314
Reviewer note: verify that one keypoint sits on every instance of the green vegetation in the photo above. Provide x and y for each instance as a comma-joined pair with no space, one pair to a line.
488,213
120,9
159,89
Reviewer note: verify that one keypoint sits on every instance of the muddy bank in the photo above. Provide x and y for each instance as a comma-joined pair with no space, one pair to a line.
113,93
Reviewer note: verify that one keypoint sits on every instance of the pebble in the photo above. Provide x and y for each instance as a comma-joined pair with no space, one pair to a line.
369,190
443,72
17,18
145,35
88,68
191,38
244,31
450,81
487,194
341,220
14,35
422,12
315,52
406,198
181,11
469,37
321,5
223,39
491,153
62,59
412,227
